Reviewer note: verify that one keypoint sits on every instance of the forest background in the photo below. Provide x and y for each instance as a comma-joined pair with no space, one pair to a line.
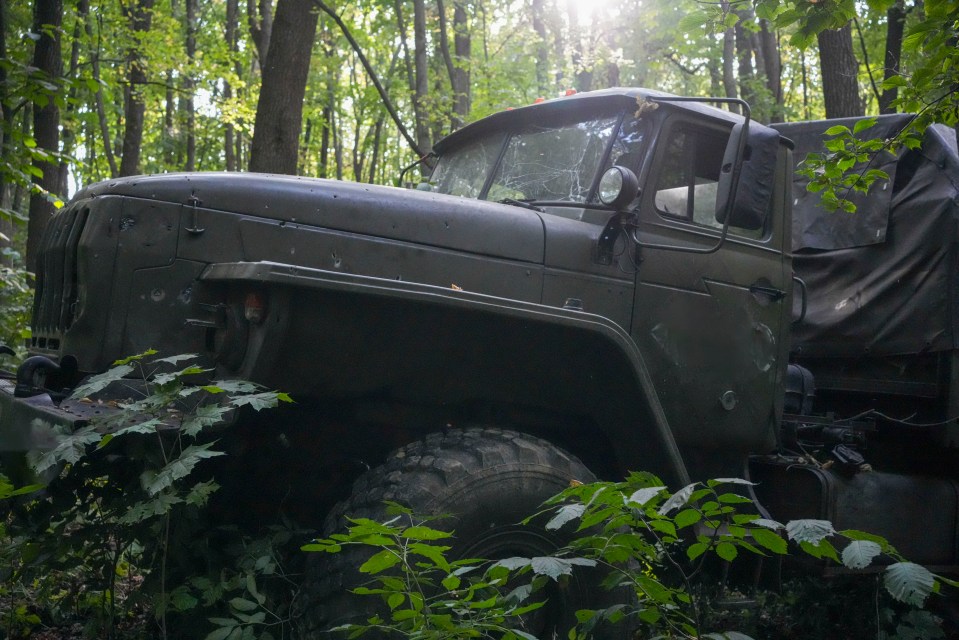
92,90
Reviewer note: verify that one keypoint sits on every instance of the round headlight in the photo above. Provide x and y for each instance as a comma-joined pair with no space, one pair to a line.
618,187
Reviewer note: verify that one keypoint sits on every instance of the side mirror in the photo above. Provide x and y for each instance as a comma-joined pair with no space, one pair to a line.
618,187
750,203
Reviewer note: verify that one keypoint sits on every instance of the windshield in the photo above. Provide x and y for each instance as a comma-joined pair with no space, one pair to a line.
548,162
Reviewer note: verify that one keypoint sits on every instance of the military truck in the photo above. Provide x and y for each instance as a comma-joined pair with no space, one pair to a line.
611,281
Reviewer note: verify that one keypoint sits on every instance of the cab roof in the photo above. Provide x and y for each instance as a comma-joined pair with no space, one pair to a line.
583,103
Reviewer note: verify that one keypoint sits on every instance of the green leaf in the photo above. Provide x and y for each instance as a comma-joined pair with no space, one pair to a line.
424,533
696,550
908,582
219,634
863,124
678,499
726,551
242,604
380,562
394,600
811,531
180,467
687,517
551,566
644,495
770,540
835,130
564,514
859,554
96,383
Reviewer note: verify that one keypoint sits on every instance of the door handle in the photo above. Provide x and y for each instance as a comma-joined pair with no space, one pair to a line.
774,294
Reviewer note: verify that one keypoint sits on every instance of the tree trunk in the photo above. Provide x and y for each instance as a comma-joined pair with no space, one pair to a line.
772,67
190,85
98,98
140,15
421,76
744,57
259,16
729,59
229,139
542,48
462,48
6,189
839,72
67,135
47,19
895,21
279,112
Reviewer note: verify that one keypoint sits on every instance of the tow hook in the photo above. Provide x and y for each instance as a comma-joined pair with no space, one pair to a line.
34,373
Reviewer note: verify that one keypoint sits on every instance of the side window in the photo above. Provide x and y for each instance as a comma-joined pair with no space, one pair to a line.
686,187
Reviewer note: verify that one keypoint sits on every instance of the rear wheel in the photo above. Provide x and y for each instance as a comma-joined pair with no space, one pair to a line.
488,481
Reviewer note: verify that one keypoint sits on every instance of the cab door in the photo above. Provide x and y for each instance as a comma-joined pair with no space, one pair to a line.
711,325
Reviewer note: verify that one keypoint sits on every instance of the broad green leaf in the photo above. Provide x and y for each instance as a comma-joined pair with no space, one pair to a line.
908,582
176,359
697,549
770,540
644,495
551,566
564,514
809,530
726,551
380,562
180,467
96,383
242,604
687,517
718,481
513,564
835,130
859,554
863,124
424,533
678,499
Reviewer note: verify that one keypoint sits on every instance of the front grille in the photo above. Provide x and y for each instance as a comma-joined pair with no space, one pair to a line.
55,302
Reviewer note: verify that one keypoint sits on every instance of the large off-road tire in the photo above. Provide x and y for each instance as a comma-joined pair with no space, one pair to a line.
488,480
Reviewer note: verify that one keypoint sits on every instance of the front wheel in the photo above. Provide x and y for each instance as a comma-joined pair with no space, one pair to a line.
488,481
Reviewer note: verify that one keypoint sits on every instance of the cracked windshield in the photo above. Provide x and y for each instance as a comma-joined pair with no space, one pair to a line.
542,163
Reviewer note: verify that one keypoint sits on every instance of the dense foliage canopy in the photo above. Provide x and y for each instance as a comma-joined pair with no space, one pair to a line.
94,89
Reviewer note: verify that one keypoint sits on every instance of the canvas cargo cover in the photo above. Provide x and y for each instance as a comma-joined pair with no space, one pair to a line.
884,280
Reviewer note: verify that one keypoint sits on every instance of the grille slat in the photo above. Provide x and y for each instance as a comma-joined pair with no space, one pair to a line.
57,289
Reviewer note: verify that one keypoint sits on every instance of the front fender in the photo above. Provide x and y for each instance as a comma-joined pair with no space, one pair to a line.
328,334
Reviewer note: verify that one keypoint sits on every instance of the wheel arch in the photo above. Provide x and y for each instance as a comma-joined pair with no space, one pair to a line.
477,359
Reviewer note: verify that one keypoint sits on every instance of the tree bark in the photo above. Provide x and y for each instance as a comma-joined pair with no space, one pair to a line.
462,48
259,16
744,57
895,22
279,111
421,75
67,135
729,59
772,67
98,98
542,47
230,32
6,189
189,85
47,20
140,15
839,73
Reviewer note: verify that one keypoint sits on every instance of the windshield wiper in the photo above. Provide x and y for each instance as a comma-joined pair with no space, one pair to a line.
521,203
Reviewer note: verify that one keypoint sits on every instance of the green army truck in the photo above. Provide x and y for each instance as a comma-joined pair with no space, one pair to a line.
611,281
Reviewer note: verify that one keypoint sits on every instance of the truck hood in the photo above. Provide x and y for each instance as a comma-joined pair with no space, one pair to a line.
431,219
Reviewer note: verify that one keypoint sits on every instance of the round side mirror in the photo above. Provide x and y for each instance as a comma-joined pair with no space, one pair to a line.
618,187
